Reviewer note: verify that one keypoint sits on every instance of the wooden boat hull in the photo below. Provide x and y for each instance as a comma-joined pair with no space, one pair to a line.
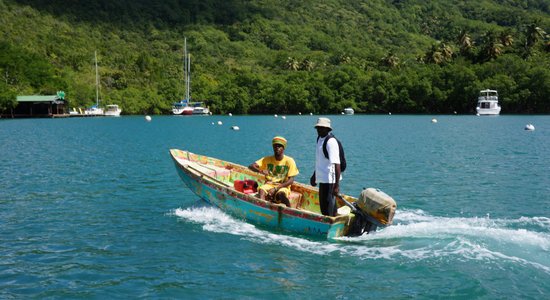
211,179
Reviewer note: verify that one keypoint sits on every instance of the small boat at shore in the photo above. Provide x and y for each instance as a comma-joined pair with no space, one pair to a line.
112,110
349,111
233,189
487,103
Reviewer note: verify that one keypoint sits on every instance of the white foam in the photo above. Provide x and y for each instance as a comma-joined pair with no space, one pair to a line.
415,235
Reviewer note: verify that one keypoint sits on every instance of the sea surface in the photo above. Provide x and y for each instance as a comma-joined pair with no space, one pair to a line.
93,208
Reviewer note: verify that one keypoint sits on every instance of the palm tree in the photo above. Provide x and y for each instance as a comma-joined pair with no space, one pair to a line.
533,33
391,60
465,42
292,64
506,39
307,65
447,51
492,46
493,49
434,55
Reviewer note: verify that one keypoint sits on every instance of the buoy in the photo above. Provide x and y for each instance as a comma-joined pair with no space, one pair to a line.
212,123
230,114
299,113
220,123
342,113
434,120
477,114
529,127
235,128
148,118
275,115
283,117
389,113
311,114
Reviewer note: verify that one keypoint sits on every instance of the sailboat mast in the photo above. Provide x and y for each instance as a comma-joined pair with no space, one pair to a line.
186,95
96,81
189,76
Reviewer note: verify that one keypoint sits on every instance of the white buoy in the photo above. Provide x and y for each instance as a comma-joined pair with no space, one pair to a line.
434,120
235,127
212,123
230,114
529,127
389,113
148,118
275,115
220,123
299,113
283,117
311,114
342,113
477,114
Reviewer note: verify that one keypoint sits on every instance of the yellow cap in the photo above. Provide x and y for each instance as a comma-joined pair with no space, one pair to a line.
279,140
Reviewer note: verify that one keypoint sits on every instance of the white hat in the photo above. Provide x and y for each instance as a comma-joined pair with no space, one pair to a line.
323,122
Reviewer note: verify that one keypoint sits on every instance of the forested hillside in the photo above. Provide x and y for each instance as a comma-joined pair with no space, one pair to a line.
280,56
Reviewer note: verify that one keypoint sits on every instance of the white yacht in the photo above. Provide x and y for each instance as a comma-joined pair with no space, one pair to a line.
348,111
199,109
487,103
113,110
94,110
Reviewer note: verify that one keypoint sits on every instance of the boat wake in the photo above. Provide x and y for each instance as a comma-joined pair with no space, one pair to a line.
415,235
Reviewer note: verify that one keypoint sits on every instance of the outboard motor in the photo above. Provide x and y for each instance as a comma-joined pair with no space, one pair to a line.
378,205
373,208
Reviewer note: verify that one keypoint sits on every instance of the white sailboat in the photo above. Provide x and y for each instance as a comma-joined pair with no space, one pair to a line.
185,106
95,110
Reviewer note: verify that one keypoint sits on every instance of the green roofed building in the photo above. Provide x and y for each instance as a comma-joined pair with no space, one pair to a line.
40,106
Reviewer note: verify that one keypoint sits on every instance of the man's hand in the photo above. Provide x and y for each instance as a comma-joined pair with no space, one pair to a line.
336,189
312,180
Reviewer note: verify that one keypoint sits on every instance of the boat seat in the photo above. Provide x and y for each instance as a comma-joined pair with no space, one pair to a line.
295,199
213,171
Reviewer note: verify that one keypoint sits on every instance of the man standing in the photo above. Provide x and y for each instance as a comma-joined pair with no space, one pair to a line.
327,170
279,171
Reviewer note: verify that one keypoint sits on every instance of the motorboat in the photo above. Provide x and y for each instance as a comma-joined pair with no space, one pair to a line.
199,109
233,189
487,103
112,110
349,111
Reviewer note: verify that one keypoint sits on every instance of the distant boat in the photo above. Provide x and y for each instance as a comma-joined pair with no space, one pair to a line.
487,103
113,110
349,111
182,108
74,112
199,109
95,110
185,106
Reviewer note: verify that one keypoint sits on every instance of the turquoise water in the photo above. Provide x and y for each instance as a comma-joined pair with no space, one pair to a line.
93,208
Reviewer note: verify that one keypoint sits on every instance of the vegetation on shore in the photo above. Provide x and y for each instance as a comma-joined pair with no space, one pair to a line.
280,56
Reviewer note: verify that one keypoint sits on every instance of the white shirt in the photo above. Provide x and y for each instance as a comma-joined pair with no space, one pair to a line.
324,168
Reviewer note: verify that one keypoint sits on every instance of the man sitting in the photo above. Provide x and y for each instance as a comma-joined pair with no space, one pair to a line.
279,171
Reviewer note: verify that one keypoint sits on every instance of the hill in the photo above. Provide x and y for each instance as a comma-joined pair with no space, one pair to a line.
281,56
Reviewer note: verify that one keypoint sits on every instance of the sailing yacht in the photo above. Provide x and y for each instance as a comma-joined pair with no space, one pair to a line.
185,106
95,110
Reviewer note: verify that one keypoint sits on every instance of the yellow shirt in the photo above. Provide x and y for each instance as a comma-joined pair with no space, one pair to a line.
279,170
